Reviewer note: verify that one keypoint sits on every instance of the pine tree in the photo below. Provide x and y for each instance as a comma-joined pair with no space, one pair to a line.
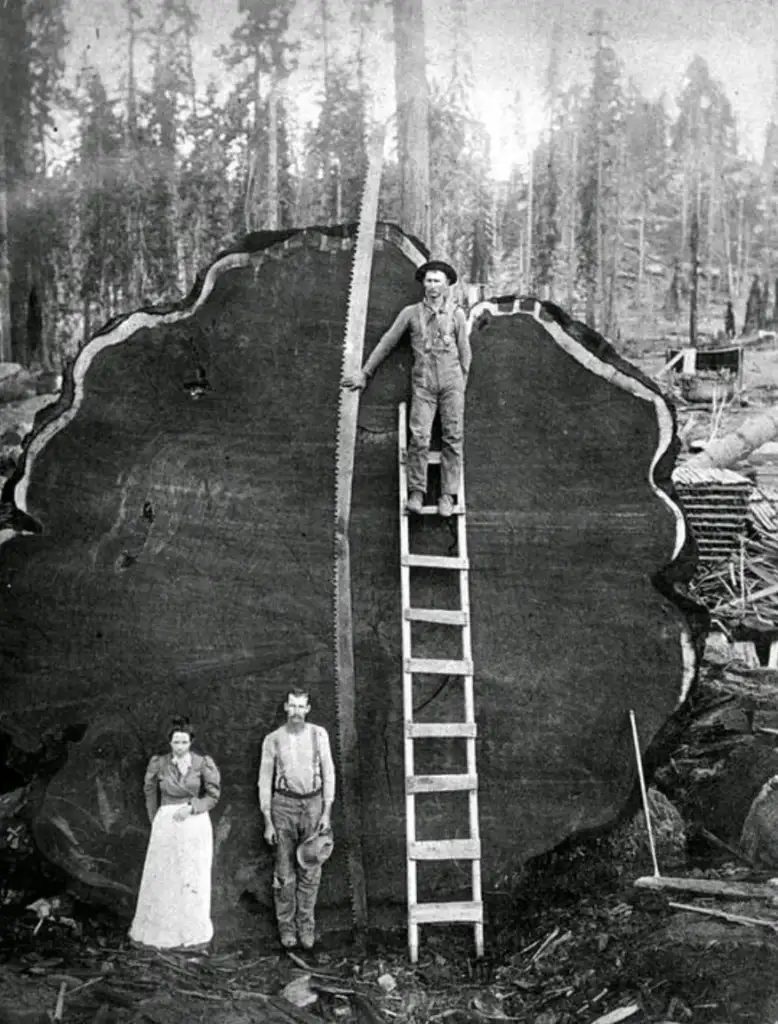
101,221
209,197
336,158
170,104
753,320
599,177
703,139
546,229
33,39
261,50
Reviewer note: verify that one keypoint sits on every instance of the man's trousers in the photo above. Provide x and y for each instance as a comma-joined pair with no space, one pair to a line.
440,385
295,888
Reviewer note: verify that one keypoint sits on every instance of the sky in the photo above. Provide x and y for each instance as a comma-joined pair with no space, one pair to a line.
509,42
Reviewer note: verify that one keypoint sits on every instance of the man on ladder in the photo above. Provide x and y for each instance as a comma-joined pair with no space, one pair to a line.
441,364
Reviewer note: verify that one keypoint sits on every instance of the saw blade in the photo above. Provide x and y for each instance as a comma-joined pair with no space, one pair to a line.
345,685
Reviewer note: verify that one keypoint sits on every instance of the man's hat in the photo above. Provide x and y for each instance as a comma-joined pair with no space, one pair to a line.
313,852
447,269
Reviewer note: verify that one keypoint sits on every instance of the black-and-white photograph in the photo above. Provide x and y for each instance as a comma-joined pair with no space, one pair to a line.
388,511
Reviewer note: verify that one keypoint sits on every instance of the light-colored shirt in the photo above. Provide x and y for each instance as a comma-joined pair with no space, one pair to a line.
429,328
296,762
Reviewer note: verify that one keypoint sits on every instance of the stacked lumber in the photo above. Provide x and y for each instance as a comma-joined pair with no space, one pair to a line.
716,502
744,585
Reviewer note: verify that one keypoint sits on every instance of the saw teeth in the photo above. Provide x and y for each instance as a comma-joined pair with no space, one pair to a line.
348,404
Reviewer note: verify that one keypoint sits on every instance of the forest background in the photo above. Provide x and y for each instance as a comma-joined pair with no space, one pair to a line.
118,185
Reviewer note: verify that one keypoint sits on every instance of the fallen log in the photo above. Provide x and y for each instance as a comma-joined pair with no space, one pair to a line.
723,915
709,887
726,451
184,564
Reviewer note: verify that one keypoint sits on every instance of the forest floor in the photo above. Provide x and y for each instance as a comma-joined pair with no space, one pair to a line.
576,942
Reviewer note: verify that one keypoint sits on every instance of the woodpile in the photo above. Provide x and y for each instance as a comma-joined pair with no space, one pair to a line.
716,502
742,587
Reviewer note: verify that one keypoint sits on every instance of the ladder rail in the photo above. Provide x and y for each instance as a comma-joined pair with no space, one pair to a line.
408,755
469,695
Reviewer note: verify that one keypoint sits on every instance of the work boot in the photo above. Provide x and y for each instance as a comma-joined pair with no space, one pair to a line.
414,502
307,939
445,505
288,940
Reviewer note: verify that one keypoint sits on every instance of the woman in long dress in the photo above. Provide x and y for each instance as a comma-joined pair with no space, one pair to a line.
174,900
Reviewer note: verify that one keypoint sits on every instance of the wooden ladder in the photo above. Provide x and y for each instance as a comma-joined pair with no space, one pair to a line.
448,849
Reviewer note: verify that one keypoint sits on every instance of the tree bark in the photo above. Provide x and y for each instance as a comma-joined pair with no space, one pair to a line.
410,75
5,261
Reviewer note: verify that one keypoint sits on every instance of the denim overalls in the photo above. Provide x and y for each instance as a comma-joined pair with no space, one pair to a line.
437,381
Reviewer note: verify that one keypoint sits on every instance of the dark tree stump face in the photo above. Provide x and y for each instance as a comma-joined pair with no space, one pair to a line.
186,496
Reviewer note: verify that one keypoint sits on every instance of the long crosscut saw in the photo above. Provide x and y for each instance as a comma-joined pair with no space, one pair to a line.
345,685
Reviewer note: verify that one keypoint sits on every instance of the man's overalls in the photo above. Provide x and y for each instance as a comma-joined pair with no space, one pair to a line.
295,817
437,381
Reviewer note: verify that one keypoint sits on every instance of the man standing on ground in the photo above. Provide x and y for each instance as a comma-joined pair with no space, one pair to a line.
296,793
441,363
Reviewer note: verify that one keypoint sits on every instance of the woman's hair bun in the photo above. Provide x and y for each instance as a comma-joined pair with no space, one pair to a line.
180,723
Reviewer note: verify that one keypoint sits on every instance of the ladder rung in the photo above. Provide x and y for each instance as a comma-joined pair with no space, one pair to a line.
435,561
432,510
445,849
446,616
433,458
441,730
439,666
445,913
448,783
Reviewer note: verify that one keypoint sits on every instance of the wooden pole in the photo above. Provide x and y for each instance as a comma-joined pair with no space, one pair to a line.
643,791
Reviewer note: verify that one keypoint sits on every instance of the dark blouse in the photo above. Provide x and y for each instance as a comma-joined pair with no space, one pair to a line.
200,787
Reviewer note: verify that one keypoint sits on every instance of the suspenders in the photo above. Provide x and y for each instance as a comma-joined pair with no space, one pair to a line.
280,785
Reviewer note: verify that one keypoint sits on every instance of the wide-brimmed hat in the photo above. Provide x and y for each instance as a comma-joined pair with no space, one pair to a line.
313,852
446,268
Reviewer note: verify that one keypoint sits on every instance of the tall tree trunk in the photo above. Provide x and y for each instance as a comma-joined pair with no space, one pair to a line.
412,91
133,276
694,244
684,205
641,251
571,256
610,309
5,261
272,157
728,248
530,215
739,249
599,240
710,239
252,151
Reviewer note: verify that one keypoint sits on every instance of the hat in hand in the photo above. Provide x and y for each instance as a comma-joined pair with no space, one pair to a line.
314,850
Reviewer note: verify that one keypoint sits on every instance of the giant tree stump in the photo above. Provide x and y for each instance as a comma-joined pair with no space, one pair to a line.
184,486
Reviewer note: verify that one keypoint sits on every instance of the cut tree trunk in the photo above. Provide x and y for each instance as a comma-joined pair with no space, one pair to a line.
184,485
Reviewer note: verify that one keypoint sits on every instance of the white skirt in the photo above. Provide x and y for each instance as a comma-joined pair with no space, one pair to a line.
174,900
